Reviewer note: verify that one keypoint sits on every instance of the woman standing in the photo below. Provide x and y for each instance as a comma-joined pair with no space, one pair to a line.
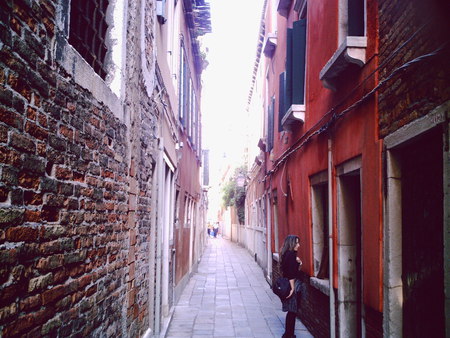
290,266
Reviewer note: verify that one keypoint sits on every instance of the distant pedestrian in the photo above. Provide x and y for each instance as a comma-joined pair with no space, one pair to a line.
216,229
290,266
210,230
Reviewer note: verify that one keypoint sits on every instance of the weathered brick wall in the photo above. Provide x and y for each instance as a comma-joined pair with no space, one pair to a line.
66,243
143,144
423,27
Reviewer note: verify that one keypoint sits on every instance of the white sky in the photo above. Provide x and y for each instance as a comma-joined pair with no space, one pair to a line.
226,81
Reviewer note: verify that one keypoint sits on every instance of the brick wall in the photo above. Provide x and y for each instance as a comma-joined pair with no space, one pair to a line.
314,309
423,27
74,191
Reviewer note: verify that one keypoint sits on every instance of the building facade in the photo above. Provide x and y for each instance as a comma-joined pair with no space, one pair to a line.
96,164
342,95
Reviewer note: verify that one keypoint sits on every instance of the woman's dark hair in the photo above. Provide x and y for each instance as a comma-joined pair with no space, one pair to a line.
289,244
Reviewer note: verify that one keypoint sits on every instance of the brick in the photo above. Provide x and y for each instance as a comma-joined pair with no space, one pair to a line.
57,142
32,216
11,217
39,283
63,173
51,326
29,180
60,276
42,120
10,310
49,185
16,197
4,191
10,156
33,164
21,234
36,131
50,214
30,303
27,322
3,134
10,293
74,257
52,232
54,201
10,118
50,263
66,132
32,198
23,143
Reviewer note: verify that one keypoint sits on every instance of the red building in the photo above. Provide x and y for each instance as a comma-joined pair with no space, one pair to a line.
321,161
352,158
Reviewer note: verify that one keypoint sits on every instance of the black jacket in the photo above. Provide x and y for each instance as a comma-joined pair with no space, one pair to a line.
289,264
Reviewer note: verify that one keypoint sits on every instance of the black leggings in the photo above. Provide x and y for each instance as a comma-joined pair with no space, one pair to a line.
290,324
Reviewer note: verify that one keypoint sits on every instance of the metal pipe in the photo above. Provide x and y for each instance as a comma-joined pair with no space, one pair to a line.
159,228
330,238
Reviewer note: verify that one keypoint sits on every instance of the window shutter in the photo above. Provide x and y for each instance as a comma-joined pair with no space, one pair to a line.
270,124
181,87
281,100
299,62
289,75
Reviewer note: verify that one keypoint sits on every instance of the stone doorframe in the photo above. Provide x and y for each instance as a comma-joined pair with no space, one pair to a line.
392,261
347,251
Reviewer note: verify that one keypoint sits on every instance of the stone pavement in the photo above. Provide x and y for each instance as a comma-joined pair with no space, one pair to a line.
229,297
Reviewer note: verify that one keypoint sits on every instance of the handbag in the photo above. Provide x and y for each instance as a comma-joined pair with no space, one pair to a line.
281,287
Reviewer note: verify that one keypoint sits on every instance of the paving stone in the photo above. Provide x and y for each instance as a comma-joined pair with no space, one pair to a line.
229,297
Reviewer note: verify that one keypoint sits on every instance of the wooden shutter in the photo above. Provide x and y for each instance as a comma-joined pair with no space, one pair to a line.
299,62
289,63
270,127
281,100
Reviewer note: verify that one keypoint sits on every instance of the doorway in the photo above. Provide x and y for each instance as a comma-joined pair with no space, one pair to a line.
350,252
422,236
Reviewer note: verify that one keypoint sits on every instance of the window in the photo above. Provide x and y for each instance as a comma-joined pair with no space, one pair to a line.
292,81
88,32
188,106
319,213
356,18
275,220
352,42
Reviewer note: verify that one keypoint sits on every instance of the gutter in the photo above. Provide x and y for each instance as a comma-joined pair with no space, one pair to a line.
330,239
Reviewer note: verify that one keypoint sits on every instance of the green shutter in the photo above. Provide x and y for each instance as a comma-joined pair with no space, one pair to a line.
281,102
289,75
270,124
299,62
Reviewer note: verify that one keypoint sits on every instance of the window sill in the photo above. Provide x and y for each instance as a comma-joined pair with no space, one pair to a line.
351,51
276,256
270,44
322,285
295,114
83,74
283,7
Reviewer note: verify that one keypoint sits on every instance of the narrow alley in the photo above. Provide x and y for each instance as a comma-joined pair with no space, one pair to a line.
229,297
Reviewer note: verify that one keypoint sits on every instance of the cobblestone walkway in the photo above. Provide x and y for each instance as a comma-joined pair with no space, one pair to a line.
229,297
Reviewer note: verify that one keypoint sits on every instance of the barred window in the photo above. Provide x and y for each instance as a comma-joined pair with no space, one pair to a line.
88,31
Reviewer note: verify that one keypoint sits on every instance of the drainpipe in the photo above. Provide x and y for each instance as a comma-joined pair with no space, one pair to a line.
165,249
159,228
330,238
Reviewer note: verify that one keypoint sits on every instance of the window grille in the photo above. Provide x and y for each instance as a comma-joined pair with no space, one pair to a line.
88,31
